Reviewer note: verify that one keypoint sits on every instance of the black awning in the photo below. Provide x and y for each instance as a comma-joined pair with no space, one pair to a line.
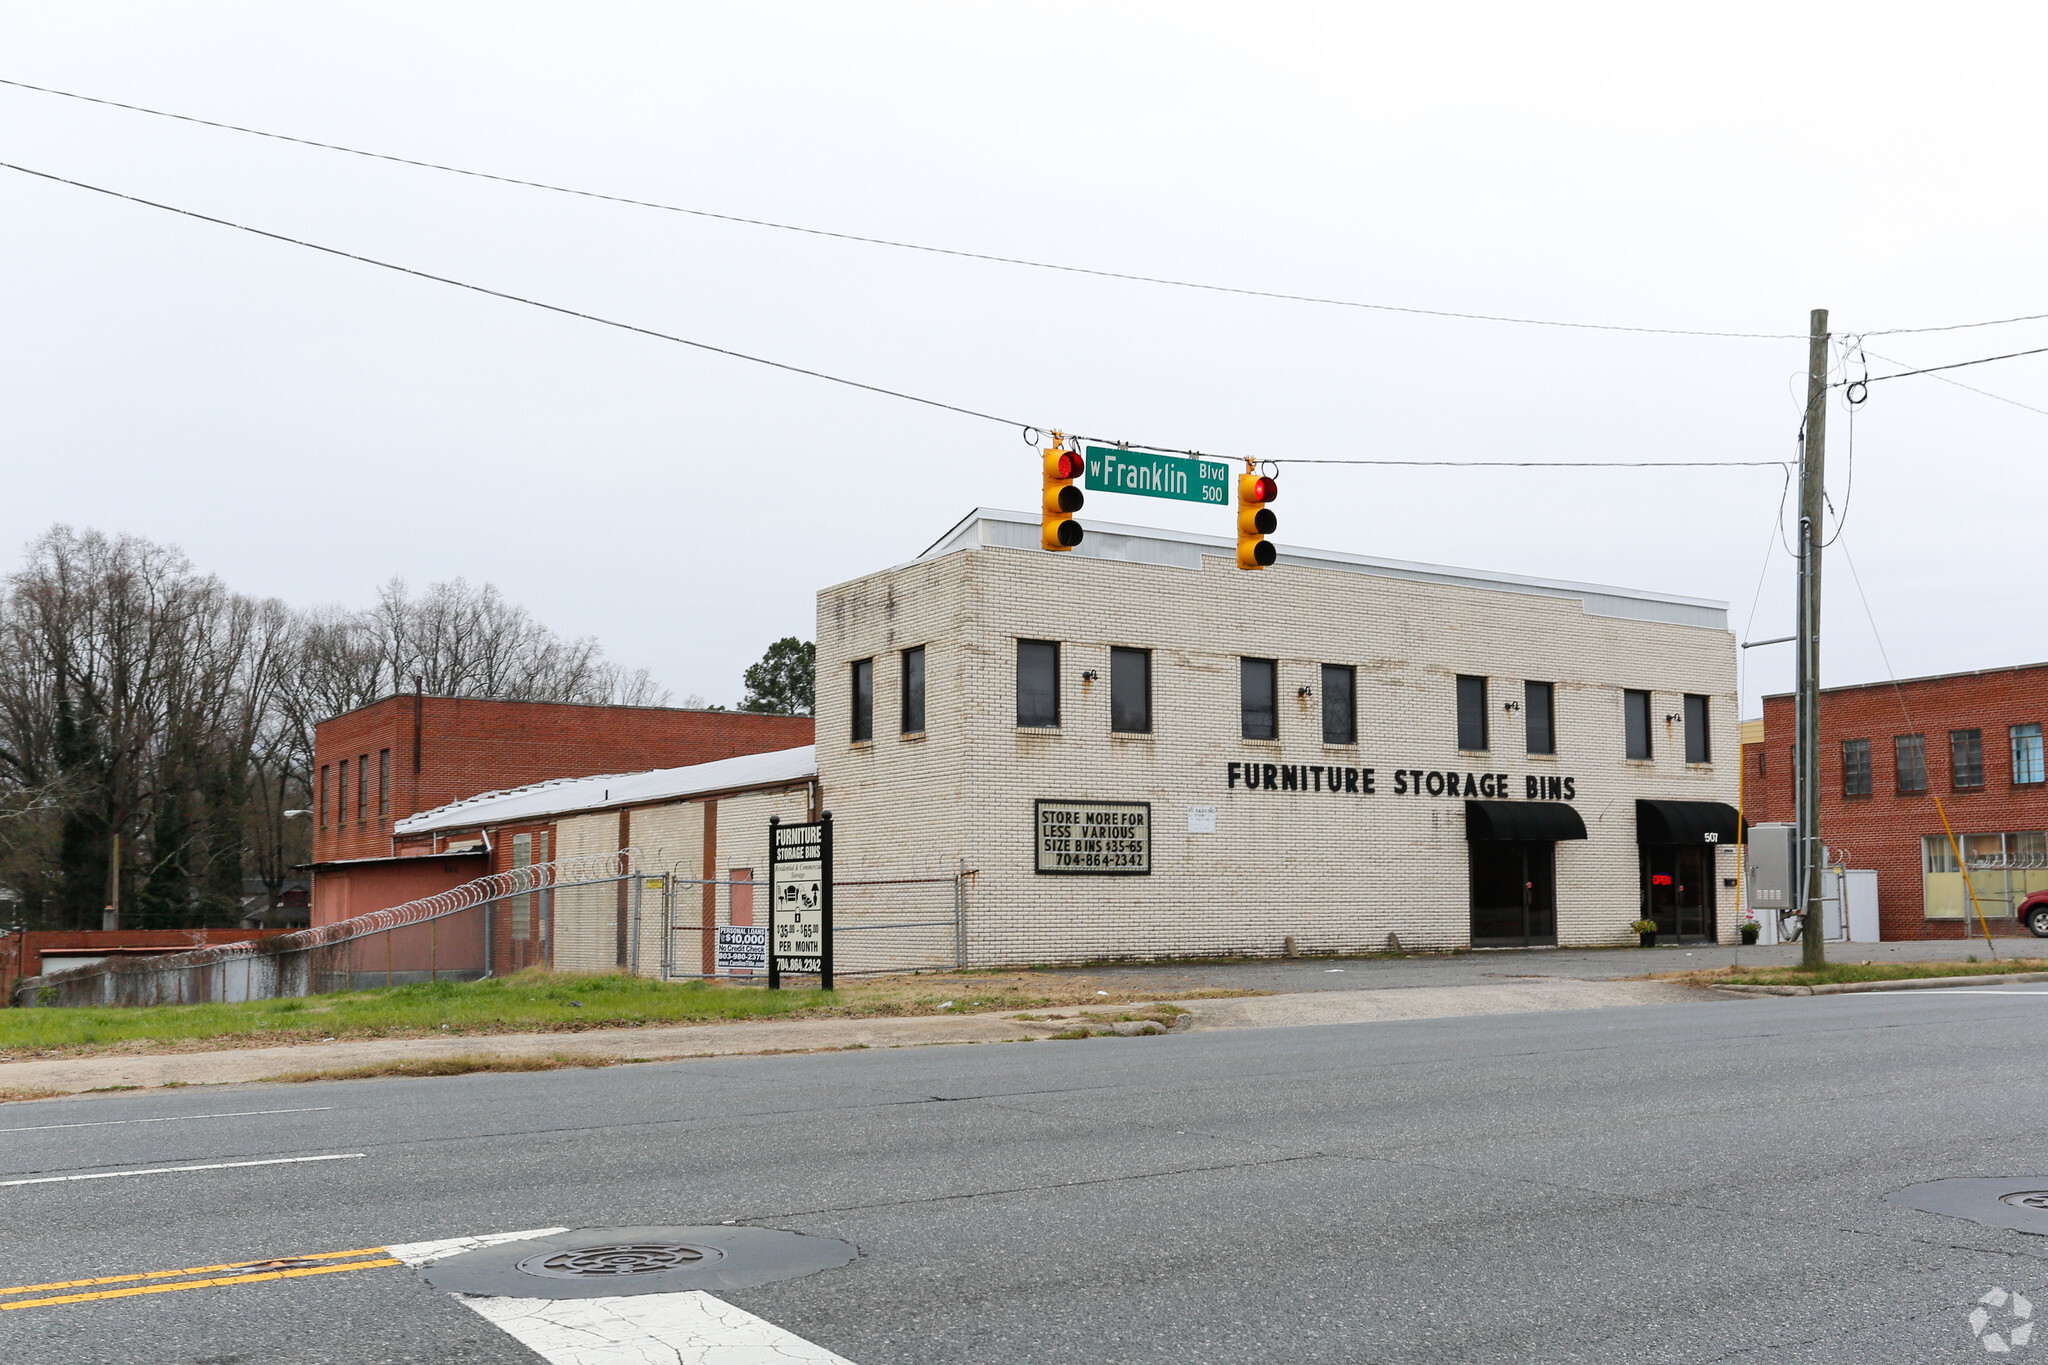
1686,822
1532,821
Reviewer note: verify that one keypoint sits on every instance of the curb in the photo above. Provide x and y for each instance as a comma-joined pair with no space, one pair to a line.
1923,983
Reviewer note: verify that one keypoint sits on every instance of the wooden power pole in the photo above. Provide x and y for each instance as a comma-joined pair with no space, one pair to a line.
1812,470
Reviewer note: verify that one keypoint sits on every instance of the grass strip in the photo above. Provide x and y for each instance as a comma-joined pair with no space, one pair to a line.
1841,973
539,1002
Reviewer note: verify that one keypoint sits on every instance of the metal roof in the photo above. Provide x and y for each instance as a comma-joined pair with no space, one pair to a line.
570,794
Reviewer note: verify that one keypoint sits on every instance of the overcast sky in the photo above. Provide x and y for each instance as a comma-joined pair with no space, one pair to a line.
308,427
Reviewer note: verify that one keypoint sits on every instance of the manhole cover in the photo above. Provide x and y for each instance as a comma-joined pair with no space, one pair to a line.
619,1258
2016,1202
591,1263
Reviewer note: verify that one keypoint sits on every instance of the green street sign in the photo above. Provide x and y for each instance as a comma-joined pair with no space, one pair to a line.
1157,476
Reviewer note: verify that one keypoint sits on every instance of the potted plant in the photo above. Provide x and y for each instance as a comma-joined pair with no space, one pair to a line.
1646,931
1749,929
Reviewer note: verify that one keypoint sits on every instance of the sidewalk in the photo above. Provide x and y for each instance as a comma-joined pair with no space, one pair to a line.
70,1075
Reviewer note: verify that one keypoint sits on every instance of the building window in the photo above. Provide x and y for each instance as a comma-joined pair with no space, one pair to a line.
1471,712
1538,717
913,691
341,797
1038,683
323,795
1909,756
1855,767
1340,704
2026,754
1966,758
1258,683
383,782
863,700
1130,691
362,788
1635,717
1759,761
1698,747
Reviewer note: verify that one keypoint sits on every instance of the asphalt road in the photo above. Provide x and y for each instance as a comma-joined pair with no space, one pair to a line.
1698,1182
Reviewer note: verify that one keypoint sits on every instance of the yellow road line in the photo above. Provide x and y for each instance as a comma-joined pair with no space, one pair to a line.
133,1290
193,1270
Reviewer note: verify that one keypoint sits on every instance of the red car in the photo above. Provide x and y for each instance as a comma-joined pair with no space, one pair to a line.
2033,913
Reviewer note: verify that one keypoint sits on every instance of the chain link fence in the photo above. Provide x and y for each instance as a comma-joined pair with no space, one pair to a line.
879,924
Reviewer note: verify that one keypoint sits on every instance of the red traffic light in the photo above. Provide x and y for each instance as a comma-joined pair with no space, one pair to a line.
1262,489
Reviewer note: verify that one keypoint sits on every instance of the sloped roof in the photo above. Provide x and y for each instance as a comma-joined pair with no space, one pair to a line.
570,794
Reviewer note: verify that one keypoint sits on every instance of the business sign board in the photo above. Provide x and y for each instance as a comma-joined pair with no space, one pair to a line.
742,948
1183,478
800,900
1106,838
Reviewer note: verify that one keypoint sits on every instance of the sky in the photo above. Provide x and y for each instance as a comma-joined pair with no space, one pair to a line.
308,427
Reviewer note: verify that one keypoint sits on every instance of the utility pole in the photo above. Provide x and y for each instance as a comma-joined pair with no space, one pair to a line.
1812,469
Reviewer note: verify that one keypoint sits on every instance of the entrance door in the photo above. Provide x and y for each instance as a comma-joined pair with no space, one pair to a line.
1514,894
1678,891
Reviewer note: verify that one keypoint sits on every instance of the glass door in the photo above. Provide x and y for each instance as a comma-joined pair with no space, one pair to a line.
1678,891
1514,895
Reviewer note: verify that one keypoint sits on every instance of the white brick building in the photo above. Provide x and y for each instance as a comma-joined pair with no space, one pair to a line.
1145,671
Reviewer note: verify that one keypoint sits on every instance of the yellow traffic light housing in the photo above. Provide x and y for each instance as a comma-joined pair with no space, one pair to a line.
1255,519
1058,530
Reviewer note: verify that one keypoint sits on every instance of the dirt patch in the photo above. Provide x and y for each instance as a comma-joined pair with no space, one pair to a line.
441,1066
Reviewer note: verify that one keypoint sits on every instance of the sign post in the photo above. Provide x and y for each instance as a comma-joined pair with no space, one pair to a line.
800,900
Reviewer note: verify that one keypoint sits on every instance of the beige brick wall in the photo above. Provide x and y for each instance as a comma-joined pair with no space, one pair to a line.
670,840
1338,873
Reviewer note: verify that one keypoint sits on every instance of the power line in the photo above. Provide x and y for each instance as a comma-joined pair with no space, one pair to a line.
1956,326
905,246
1984,393
1458,464
1955,365
519,298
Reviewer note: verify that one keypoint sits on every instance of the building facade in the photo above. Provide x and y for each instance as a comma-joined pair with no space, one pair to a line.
1142,751
1888,752
378,765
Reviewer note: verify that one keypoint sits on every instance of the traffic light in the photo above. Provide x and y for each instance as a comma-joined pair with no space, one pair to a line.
1255,519
1059,530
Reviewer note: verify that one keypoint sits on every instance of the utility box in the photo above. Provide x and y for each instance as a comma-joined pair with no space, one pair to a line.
1859,897
1772,877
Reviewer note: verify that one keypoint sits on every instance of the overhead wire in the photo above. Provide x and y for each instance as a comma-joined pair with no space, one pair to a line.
521,298
1982,393
1953,365
1129,276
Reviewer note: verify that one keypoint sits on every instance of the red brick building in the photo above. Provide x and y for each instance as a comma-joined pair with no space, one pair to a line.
376,765
1972,739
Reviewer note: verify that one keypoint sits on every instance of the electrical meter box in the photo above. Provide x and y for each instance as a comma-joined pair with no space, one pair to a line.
1773,872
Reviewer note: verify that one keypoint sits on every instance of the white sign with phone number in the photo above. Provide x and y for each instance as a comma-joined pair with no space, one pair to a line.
799,916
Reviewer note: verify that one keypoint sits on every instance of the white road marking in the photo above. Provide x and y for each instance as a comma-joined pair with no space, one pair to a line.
169,1170
690,1328
417,1254
169,1118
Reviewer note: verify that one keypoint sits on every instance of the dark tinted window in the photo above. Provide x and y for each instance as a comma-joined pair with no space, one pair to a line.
1536,700
1038,682
1340,704
913,691
863,700
1471,712
1635,720
1855,767
1909,753
1258,683
1966,757
1130,691
1697,746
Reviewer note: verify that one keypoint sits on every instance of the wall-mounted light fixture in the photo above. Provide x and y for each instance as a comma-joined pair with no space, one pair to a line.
1671,718
1303,693
1089,675
1511,706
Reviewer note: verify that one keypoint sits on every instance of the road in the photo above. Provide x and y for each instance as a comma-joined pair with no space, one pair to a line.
1698,1182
